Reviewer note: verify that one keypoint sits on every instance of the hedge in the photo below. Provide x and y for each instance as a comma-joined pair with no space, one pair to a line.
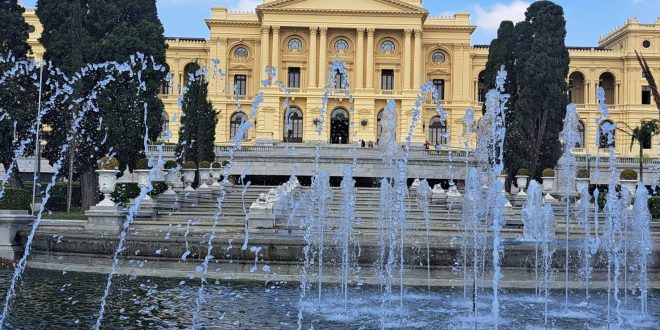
654,207
126,191
16,199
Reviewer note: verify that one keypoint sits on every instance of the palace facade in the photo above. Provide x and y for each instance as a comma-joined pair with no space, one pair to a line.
390,47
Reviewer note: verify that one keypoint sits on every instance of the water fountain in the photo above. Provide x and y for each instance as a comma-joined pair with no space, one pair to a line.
627,242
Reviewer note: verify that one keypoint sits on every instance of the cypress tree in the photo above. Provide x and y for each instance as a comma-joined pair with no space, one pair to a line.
501,52
541,70
198,122
18,95
95,31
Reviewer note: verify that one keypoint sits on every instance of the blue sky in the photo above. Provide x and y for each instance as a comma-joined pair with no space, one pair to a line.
586,19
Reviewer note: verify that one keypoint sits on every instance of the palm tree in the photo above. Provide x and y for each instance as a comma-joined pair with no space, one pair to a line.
643,134
649,77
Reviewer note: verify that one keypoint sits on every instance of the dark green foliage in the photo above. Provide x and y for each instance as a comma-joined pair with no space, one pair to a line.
548,173
16,199
170,164
501,52
57,200
125,192
190,165
205,164
628,174
13,29
18,96
535,56
654,207
142,164
583,173
541,70
198,121
523,172
100,31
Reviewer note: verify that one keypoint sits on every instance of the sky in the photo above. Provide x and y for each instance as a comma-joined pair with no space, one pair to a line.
587,20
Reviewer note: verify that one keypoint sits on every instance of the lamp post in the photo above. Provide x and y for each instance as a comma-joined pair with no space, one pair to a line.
37,143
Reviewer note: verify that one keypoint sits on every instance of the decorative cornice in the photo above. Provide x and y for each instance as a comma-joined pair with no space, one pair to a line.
276,6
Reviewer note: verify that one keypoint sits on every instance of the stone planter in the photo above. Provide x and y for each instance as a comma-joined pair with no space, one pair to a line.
521,180
582,184
11,222
107,183
630,185
171,179
143,181
548,186
502,180
216,174
188,179
205,178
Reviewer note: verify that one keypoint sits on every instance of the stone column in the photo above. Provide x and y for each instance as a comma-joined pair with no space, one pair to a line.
359,63
11,222
323,58
370,58
407,51
312,67
419,59
617,90
275,59
265,45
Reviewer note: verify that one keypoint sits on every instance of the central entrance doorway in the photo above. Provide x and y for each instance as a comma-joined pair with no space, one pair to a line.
339,126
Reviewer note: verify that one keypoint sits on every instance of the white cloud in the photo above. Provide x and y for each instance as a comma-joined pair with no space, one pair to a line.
248,4
489,18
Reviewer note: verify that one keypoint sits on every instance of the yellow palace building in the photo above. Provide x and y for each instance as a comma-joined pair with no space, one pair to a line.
390,47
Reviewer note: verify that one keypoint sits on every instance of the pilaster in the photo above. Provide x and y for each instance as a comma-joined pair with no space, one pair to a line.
312,67
370,58
359,63
407,51
323,58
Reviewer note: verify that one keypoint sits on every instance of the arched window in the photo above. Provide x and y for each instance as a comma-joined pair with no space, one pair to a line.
582,132
438,58
387,46
576,87
604,137
341,45
241,52
437,131
481,87
189,72
235,123
295,44
293,125
607,81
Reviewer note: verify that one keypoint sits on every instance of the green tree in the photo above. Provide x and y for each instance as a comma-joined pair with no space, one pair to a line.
501,52
643,135
198,121
100,31
541,70
18,96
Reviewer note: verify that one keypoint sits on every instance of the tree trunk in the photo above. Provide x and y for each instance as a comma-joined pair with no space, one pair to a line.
14,180
641,162
90,188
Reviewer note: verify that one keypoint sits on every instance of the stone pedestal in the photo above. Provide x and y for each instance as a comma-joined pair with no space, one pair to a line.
11,222
104,219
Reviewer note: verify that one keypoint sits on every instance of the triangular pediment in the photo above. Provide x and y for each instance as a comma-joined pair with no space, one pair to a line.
393,6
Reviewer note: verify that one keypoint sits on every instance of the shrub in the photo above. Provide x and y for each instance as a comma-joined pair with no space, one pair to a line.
523,172
108,163
142,164
583,173
159,188
216,165
57,200
548,173
205,164
125,191
654,207
189,165
628,174
16,199
170,164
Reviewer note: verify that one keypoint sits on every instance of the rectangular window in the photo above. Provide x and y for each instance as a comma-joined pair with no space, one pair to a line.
166,87
240,84
294,78
440,87
387,80
339,80
648,142
646,95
